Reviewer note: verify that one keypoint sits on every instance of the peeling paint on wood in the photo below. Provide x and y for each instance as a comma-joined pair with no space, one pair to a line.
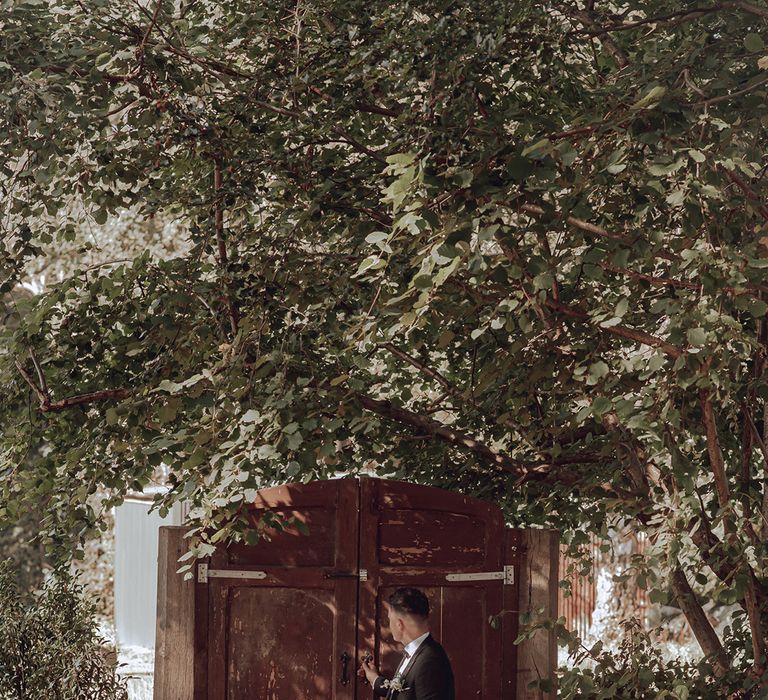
282,637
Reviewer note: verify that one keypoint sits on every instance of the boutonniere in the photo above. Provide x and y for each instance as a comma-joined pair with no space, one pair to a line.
395,684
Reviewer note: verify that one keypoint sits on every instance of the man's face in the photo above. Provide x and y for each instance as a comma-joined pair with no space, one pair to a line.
396,625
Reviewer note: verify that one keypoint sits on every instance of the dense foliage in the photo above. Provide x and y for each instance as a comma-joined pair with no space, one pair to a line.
50,647
639,670
512,248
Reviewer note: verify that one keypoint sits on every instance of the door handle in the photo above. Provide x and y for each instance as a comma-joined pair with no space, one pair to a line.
345,657
367,658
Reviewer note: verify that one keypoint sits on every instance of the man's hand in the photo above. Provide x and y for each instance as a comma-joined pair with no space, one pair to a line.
368,670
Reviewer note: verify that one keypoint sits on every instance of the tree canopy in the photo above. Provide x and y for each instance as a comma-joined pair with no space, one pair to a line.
516,249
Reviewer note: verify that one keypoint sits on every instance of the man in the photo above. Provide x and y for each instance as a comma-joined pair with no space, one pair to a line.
424,673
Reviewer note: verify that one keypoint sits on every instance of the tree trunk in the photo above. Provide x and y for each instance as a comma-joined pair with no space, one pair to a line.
697,619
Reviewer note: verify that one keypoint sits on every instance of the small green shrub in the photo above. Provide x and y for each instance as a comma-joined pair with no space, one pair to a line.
50,648
638,671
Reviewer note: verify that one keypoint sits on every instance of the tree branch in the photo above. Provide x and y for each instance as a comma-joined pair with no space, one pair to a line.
221,243
432,427
574,312
376,109
751,195
714,451
595,230
92,397
41,395
48,406
141,48
605,39
359,147
702,629
675,17
747,7
721,561
620,331
39,369
434,374
755,626
657,281
524,471
730,95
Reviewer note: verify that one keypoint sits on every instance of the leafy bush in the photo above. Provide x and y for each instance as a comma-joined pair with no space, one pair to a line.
50,646
638,670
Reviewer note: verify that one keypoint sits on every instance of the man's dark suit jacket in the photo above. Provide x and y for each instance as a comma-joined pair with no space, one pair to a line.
427,677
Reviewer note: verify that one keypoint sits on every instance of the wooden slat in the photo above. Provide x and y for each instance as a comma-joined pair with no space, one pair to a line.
174,644
510,622
200,639
538,580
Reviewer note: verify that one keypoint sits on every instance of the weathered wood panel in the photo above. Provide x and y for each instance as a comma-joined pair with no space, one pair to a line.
174,639
286,653
284,637
538,574
415,536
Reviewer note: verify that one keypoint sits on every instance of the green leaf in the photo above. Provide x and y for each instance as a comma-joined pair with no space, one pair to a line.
422,281
652,96
102,59
676,198
376,236
519,168
401,158
250,416
169,386
538,146
545,280
168,411
696,336
758,308
753,42
601,405
372,262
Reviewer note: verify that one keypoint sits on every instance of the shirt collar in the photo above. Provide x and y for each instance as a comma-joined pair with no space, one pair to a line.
411,647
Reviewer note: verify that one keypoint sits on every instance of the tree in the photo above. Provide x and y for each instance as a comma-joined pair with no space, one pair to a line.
51,646
515,249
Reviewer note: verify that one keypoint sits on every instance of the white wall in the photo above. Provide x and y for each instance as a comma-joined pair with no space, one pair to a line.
136,532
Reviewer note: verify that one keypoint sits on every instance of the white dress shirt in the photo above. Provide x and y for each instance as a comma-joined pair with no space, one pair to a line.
411,648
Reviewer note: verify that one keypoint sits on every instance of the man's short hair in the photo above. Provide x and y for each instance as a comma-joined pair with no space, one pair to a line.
410,601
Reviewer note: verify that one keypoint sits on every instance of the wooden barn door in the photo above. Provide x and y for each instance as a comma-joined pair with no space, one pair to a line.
277,621
291,618
454,549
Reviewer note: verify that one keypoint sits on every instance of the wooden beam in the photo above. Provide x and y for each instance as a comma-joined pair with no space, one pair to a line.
174,640
539,577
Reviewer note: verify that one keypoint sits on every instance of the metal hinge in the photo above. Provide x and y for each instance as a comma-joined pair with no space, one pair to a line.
361,574
204,573
507,576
